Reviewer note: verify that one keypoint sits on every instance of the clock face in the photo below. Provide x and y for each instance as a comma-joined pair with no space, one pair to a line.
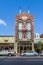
28,25
20,26
28,35
20,35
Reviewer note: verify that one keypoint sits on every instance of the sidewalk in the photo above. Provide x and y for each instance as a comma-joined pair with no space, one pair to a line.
21,56
28,56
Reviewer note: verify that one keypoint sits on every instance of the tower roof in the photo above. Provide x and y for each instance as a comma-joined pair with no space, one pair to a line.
24,16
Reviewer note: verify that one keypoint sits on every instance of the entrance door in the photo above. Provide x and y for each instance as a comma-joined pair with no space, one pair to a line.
21,49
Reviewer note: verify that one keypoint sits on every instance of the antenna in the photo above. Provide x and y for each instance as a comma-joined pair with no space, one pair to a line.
28,10
20,10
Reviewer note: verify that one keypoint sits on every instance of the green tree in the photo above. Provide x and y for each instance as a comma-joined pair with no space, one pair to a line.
39,47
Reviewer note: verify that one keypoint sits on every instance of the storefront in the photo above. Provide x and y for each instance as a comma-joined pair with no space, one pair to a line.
24,46
6,46
6,42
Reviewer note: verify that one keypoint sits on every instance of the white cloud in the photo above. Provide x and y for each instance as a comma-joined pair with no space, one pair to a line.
2,22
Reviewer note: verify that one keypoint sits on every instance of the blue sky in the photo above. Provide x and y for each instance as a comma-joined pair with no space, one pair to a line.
10,8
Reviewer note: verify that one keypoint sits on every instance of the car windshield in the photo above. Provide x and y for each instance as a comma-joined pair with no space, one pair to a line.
29,52
3,50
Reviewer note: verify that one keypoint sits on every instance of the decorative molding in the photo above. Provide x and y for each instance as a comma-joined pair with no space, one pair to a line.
24,17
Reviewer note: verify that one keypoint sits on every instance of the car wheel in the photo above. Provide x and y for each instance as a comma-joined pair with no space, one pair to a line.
35,55
9,54
24,55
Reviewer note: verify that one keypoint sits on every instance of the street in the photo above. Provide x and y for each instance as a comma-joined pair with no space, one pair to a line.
21,60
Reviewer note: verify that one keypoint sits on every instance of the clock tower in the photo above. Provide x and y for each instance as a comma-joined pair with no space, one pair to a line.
24,33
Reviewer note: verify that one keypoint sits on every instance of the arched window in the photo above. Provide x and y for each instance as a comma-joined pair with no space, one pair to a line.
28,35
28,25
20,35
20,26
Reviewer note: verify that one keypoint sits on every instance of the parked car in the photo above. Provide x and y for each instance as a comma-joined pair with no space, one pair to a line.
6,52
41,54
30,53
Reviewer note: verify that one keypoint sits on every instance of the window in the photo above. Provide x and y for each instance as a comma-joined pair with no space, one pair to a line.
31,48
20,35
20,26
28,35
27,44
28,26
30,44
24,44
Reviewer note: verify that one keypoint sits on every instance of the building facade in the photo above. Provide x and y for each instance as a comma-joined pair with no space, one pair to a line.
24,33
7,42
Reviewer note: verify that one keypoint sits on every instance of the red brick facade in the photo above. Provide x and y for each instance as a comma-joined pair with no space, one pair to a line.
41,36
28,17
24,14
